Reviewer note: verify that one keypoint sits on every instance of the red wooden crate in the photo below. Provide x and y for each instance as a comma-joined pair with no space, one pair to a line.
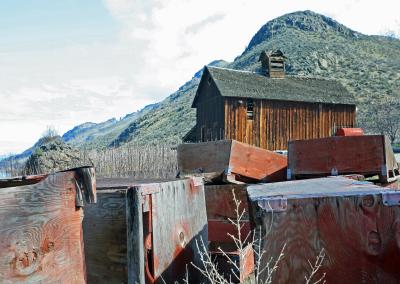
232,161
145,232
220,207
41,227
356,223
367,155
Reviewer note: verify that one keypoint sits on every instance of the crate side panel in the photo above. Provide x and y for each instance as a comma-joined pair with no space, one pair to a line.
359,236
208,157
179,219
105,237
343,155
41,232
257,163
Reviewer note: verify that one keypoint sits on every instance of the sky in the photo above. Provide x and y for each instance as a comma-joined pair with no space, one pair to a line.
63,63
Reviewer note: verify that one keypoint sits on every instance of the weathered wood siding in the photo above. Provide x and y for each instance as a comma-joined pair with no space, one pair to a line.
210,113
356,224
145,232
366,155
104,228
274,123
41,232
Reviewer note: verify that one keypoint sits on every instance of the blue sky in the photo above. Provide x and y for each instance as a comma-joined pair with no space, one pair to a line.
66,62
38,23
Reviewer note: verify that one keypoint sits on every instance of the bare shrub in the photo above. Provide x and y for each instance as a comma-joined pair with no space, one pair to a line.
263,274
135,161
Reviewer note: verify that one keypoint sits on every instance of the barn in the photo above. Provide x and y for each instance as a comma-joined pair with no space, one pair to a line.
268,108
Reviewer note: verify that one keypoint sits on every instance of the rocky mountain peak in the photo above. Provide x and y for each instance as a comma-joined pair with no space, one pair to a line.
307,21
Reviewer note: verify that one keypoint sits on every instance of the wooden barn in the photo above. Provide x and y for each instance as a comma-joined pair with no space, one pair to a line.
267,109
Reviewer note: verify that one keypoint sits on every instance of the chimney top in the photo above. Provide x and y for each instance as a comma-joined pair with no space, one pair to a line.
273,63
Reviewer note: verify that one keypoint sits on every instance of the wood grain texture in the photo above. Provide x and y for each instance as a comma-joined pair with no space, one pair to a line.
41,232
116,229
276,122
179,219
221,207
361,236
367,155
105,237
230,157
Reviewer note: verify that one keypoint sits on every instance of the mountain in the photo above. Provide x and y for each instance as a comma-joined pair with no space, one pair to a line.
315,45
101,135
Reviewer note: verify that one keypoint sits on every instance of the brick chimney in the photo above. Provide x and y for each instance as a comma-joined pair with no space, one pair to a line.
273,64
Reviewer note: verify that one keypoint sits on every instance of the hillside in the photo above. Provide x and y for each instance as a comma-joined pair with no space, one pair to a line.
101,135
315,45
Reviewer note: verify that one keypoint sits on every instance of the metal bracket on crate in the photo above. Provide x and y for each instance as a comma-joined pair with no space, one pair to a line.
391,198
273,204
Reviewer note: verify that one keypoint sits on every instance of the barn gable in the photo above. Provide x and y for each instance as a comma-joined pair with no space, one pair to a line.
207,88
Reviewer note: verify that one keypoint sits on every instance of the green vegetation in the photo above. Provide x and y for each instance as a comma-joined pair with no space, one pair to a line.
316,46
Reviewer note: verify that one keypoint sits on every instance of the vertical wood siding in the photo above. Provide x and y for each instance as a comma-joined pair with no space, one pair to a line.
210,113
274,123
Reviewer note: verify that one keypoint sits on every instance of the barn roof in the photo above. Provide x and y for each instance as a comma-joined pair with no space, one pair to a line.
244,84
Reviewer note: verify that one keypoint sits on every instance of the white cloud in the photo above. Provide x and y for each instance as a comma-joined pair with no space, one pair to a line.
160,45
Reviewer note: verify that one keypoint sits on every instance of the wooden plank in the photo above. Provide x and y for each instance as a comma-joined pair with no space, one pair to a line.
41,231
346,218
178,221
221,207
338,155
231,157
135,246
256,163
200,158
105,231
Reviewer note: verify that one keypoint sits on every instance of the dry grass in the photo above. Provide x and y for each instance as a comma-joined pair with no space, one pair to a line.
136,161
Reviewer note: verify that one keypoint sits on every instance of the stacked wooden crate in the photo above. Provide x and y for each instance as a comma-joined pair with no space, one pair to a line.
41,237
333,230
367,155
145,232
228,167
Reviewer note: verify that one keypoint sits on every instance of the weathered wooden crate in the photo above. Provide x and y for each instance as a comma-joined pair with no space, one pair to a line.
41,227
356,223
231,161
145,232
221,206
367,155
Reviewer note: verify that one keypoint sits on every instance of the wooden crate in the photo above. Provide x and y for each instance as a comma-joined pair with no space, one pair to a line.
367,155
220,207
143,232
41,227
356,223
231,161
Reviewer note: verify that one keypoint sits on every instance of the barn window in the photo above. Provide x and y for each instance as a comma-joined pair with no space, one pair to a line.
250,108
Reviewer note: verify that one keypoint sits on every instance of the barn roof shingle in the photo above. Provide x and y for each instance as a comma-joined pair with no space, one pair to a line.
234,83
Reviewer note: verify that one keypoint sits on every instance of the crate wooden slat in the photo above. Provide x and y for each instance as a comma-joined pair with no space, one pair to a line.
220,207
41,227
231,161
356,223
367,155
142,231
